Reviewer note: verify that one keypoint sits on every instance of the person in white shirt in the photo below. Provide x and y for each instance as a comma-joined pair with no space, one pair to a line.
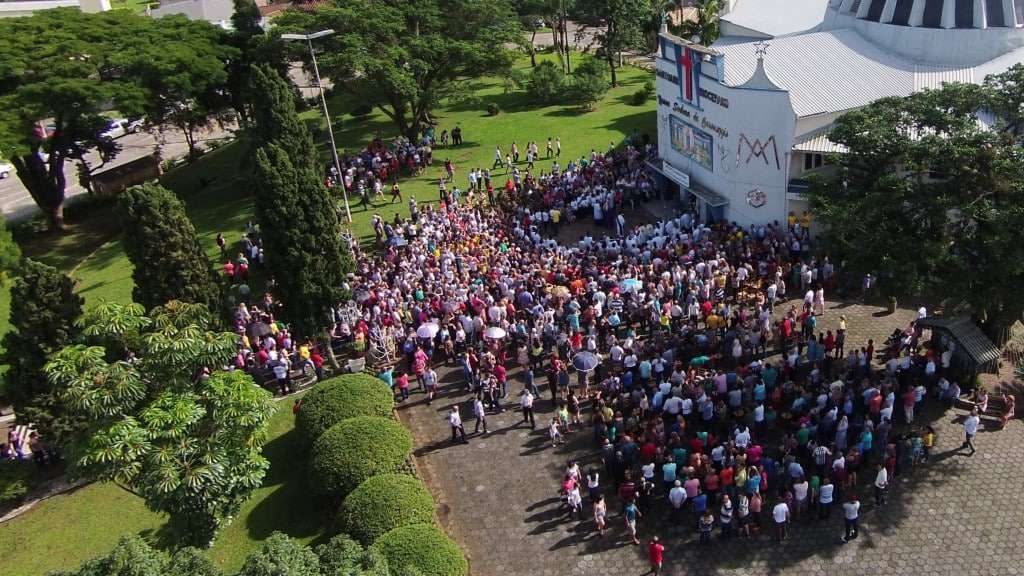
780,514
881,484
455,421
677,496
526,403
851,513
825,498
742,436
970,429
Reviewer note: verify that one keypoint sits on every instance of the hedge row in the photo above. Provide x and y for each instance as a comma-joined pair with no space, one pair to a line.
384,503
424,548
340,398
356,449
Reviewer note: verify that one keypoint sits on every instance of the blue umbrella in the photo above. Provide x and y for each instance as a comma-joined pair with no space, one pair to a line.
631,284
585,361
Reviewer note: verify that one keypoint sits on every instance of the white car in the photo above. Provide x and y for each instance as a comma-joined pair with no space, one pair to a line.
121,126
6,170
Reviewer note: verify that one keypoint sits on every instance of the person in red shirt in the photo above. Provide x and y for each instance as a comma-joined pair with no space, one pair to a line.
656,551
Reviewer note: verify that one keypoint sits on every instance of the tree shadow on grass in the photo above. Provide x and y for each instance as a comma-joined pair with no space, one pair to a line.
643,122
291,507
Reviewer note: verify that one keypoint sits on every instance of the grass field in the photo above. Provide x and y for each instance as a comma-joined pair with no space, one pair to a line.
66,530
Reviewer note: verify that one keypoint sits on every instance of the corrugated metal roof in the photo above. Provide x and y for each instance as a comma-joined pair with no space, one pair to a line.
817,141
835,70
970,339
777,17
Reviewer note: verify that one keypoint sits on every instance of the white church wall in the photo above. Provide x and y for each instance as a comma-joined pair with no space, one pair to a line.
734,141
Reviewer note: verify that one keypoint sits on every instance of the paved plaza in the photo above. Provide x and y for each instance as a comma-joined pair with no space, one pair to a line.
498,497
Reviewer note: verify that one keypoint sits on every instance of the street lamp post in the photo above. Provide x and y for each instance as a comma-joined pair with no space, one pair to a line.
308,38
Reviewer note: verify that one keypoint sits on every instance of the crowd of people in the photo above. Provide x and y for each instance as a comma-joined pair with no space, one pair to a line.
690,406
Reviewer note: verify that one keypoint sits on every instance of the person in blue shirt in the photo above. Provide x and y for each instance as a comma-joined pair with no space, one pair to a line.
668,472
700,503
387,376
627,380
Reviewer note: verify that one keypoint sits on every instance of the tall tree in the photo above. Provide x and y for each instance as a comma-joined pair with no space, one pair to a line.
42,323
165,423
930,200
705,26
404,57
62,70
254,47
186,82
618,26
298,219
167,259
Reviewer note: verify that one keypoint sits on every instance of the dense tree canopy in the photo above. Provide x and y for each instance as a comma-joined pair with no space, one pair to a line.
167,260
164,422
930,199
405,56
42,323
619,25
62,71
133,556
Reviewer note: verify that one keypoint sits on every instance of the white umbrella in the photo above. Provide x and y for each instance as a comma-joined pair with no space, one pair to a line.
494,333
428,330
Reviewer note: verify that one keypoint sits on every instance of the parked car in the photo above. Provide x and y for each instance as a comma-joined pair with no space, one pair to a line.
121,126
6,169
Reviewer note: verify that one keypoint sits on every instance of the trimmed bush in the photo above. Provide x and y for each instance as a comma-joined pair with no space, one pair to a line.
640,97
334,400
362,110
355,449
423,547
493,109
384,503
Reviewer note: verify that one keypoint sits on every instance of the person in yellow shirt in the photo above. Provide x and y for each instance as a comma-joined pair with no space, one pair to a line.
791,219
805,220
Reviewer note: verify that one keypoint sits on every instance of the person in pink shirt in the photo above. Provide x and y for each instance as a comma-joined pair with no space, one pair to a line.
403,386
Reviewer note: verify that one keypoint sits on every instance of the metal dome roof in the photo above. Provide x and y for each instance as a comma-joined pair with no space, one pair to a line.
936,13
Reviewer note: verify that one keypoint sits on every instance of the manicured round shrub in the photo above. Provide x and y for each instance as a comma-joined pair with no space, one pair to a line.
493,109
355,449
424,547
384,503
334,400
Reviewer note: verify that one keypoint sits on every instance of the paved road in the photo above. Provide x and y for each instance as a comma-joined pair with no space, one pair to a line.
497,497
16,203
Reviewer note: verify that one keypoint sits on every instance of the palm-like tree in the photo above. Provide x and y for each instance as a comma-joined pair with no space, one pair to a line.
707,26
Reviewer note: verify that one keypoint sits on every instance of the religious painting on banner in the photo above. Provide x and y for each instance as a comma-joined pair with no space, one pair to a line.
688,67
692,142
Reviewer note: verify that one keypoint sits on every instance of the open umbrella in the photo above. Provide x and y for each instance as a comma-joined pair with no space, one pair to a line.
259,329
494,333
362,295
585,361
699,360
631,285
427,330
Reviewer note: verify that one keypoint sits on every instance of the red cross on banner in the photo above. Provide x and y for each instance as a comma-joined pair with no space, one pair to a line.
687,64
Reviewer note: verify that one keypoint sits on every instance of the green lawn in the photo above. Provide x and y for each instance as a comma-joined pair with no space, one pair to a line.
65,530
69,529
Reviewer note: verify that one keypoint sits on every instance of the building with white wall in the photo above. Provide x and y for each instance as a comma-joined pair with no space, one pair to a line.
216,12
28,7
743,122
